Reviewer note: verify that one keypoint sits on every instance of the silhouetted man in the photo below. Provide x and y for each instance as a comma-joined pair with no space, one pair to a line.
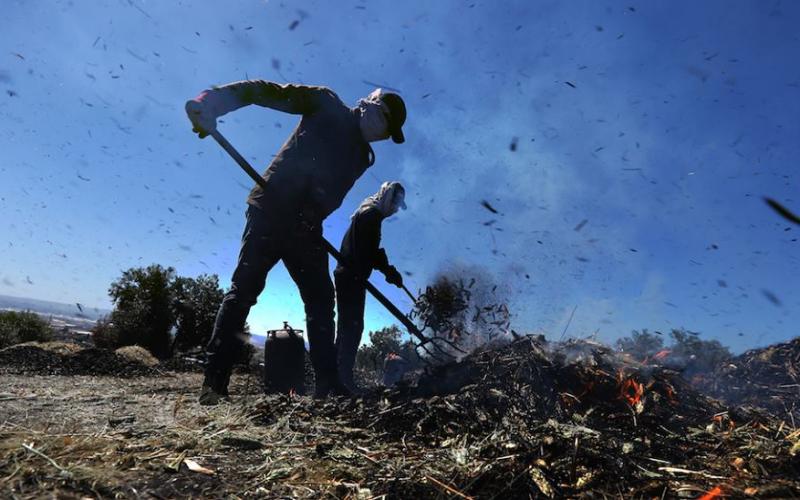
306,181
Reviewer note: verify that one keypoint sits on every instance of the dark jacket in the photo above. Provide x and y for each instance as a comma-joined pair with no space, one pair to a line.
361,245
321,160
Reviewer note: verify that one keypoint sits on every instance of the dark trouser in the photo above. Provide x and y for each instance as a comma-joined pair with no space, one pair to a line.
350,297
268,239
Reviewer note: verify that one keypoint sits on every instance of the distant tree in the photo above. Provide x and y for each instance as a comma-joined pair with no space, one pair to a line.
195,303
408,351
640,345
25,326
370,356
697,354
381,342
143,312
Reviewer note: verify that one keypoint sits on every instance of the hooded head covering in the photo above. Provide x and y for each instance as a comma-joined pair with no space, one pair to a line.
389,198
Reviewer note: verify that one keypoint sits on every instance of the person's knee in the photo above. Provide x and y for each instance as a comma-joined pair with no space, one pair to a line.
239,297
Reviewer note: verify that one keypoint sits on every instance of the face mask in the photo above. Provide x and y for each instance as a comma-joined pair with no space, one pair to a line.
374,123
391,201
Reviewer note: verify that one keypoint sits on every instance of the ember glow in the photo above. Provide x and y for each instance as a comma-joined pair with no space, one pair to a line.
714,493
721,421
662,354
670,392
631,390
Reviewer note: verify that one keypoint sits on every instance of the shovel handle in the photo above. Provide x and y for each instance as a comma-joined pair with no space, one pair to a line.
410,295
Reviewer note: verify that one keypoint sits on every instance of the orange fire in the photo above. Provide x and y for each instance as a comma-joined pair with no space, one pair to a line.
660,355
714,493
631,391
722,420
671,396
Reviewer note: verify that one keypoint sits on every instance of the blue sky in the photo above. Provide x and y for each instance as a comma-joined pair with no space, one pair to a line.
662,124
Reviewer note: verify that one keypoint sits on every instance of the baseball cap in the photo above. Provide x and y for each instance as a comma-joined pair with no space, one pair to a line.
397,113
397,116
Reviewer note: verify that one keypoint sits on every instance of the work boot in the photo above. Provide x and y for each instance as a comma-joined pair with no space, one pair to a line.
215,388
210,397
326,387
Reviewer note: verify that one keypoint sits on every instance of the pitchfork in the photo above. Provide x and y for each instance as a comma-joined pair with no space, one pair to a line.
410,326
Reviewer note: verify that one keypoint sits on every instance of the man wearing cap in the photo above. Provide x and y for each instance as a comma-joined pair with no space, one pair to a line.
306,181
361,253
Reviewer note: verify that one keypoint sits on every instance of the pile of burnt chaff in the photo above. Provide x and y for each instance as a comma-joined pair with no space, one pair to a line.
548,421
62,358
767,377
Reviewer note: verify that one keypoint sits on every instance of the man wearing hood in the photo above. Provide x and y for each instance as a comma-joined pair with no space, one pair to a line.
306,181
361,253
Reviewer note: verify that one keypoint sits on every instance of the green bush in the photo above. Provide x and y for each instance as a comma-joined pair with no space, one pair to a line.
105,335
151,302
26,326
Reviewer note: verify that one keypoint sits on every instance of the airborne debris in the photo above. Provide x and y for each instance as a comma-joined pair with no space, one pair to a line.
771,297
489,207
782,211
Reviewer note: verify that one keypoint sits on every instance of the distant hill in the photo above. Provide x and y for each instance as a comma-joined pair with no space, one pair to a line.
46,307
69,315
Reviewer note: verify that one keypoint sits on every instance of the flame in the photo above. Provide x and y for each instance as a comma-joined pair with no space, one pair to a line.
723,419
714,493
292,392
660,355
671,396
631,391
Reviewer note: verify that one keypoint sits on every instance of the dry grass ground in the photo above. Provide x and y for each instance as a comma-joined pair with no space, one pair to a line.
526,420
76,436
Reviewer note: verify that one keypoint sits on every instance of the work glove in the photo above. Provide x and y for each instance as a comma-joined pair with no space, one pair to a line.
393,277
203,119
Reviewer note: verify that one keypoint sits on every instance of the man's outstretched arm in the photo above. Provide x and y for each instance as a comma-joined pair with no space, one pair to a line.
212,103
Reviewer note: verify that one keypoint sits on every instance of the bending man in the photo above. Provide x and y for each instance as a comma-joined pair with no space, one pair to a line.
306,181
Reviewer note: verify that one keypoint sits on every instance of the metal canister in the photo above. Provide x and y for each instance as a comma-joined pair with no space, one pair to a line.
284,361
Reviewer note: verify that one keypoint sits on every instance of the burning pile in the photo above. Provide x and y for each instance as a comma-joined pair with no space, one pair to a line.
558,421
768,378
